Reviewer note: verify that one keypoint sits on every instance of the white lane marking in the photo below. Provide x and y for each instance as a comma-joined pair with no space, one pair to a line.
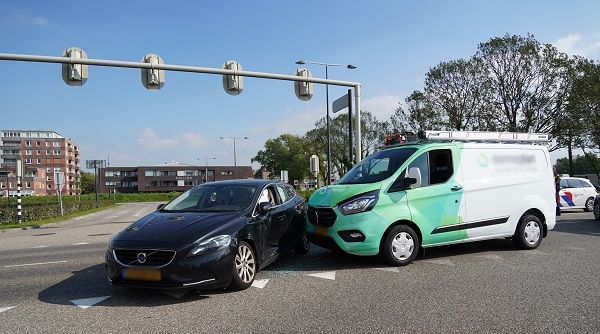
137,214
444,262
80,243
88,302
34,264
42,246
326,275
260,283
2,309
392,269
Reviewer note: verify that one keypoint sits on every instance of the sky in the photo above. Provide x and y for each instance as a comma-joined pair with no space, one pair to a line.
113,117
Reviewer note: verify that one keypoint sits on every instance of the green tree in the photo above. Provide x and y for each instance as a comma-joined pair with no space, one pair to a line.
582,164
88,183
286,152
528,82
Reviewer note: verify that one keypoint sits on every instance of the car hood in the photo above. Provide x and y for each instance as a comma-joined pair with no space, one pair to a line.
180,227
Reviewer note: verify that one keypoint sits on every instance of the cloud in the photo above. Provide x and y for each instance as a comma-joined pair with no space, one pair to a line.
148,139
30,21
382,106
587,46
193,140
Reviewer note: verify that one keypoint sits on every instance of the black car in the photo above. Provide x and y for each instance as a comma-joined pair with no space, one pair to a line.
218,234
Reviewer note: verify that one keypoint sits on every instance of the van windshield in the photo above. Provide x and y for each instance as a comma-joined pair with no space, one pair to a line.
377,166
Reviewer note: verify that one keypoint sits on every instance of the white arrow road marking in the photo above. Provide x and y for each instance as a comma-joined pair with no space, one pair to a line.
174,293
88,302
80,243
392,269
444,262
33,264
2,309
260,283
327,275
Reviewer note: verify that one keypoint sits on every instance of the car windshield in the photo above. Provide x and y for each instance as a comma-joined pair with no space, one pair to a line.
377,166
217,198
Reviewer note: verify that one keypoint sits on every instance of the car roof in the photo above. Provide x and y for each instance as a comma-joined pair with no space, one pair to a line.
248,182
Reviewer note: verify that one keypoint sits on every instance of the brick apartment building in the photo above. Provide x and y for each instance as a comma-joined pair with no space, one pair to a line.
165,178
43,153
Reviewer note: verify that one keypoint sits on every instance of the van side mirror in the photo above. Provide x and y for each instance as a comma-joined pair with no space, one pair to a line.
404,182
415,173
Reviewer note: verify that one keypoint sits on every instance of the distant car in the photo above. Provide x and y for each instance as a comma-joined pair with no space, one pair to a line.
577,193
218,234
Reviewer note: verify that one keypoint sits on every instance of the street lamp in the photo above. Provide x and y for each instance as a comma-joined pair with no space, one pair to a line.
206,171
302,62
234,159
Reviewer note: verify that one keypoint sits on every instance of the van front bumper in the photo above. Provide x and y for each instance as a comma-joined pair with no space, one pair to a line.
358,234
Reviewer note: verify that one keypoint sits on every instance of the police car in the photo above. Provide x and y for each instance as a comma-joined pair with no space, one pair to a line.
576,193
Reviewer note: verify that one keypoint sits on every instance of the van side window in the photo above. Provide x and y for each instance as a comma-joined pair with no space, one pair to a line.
422,162
441,168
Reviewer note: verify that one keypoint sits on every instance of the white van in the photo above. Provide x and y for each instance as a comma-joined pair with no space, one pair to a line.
440,188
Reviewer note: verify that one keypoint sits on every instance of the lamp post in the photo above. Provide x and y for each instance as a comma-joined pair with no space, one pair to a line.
206,171
302,62
234,159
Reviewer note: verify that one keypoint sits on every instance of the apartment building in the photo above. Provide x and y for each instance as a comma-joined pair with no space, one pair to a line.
168,177
43,153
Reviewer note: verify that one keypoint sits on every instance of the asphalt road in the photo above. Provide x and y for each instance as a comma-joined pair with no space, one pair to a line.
52,280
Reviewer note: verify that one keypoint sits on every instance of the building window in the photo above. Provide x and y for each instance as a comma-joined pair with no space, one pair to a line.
28,161
28,143
27,184
56,152
38,143
225,172
27,152
149,173
39,161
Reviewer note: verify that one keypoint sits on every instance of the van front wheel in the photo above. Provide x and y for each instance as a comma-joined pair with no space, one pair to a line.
399,246
529,232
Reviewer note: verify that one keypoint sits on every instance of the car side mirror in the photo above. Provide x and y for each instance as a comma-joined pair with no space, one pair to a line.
160,206
263,207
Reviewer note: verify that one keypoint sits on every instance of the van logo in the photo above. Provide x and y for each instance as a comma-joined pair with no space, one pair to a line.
483,161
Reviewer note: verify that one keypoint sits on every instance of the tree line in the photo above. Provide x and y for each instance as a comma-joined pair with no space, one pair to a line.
512,83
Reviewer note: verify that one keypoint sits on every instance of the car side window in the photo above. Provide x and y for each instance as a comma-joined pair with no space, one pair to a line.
422,162
286,193
441,168
267,195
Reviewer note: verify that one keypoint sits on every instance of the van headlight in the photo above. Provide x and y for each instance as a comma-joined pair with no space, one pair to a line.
211,245
360,203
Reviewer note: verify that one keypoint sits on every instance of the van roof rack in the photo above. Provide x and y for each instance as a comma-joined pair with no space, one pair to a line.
484,136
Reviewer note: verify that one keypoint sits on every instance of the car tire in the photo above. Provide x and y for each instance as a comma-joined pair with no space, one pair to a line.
303,245
244,267
529,232
597,210
589,205
399,246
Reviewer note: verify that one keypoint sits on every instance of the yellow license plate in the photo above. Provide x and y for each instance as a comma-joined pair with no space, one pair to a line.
141,274
321,231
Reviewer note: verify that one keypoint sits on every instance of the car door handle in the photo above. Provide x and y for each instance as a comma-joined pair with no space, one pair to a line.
456,188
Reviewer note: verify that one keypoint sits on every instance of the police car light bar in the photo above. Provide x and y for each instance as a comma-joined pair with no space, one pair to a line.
485,136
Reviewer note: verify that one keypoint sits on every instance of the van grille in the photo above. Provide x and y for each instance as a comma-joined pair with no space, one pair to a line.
321,216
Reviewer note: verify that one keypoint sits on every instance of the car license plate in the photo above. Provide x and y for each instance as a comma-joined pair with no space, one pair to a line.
321,231
141,274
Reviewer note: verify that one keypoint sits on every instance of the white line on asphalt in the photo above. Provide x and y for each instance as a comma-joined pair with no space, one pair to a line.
33,264
88,302
42,246
80,243
137,214
2,309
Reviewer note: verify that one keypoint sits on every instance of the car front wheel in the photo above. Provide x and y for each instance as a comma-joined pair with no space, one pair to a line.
244,267
303,245
589,205
399,246
529,232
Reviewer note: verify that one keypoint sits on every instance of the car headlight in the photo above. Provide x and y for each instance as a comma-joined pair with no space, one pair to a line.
211,245
361,203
